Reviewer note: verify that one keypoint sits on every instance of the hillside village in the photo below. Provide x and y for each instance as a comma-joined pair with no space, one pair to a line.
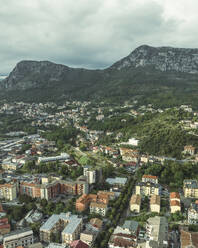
81,174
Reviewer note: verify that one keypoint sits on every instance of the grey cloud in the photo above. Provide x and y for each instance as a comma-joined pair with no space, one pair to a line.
84,33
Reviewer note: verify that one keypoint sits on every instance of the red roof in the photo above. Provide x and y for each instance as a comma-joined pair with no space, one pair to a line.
174,195
149,176
78,244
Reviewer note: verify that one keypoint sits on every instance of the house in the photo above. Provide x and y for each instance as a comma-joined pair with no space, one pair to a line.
97,223
135,203
190,188
155,203
189,150
157,232
22,237
129,155
193,213
125,236
188,239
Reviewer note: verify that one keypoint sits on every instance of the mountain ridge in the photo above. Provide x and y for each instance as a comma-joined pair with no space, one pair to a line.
146,71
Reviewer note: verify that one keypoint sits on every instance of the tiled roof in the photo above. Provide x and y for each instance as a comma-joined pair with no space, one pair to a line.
175,203
149,176
189,239
174,195
78,244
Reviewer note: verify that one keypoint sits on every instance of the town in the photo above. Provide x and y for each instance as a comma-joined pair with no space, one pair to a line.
84,174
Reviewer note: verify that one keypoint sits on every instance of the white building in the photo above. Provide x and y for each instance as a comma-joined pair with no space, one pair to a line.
23,237
62,157
90,174
157,232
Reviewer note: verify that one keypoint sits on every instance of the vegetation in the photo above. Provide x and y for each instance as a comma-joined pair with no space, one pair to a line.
170,173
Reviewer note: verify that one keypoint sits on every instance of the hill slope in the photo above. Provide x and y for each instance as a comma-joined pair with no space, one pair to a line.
163,76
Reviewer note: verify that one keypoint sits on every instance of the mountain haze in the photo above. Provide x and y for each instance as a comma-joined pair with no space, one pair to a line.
148,73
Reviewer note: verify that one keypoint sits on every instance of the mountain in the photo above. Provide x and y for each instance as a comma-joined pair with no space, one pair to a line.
160,75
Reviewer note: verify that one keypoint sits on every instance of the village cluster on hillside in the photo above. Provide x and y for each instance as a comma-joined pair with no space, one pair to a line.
81,192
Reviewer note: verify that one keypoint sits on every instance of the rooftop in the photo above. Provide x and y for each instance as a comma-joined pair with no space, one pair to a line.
117,180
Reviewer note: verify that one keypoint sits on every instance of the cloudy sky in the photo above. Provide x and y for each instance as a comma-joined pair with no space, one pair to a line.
91,33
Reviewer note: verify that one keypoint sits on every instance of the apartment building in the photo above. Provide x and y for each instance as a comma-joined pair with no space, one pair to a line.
84,201
62,157
8,191
150,178
193,213
190,188
90,174
125,236
155,203
135,203
98,208
4,226
51,190
157,232
175,204
23,237
69,225
147,189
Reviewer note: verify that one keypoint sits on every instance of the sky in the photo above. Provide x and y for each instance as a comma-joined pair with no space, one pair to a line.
91,33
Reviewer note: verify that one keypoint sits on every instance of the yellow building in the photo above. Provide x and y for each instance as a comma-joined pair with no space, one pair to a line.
135,203
147,189
155,203
8,191
190,188
175,204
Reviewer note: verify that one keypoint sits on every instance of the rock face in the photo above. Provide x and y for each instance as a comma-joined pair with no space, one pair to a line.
45,74
161,58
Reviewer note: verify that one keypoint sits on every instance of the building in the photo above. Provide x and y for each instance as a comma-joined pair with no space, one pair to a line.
189,150
175,204
193,213
125,236
130,155
53,189
150,178
188,239
135,203
98,208
62,157
4,226
8,191
23,237
9,166
117,182
157,232
190,188
69,225
97,223
83,202
89,235
78,244
155,203
90,174
147,189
